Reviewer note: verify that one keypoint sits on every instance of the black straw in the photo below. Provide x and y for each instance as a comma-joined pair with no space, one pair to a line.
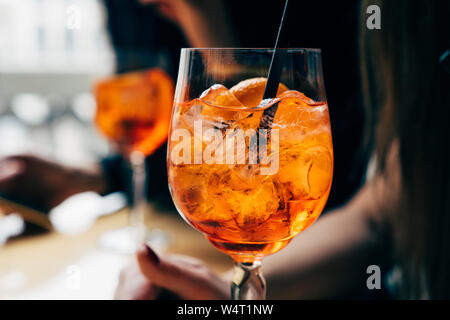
273,78
276,65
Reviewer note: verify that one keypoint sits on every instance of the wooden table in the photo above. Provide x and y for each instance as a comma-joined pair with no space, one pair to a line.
56,266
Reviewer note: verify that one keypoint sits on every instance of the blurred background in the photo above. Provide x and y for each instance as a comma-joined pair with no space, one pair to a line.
51,51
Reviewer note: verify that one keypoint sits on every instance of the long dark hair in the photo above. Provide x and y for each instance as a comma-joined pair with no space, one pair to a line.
407,91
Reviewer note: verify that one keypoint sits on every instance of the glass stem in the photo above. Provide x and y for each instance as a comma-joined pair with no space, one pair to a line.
139,204
248,282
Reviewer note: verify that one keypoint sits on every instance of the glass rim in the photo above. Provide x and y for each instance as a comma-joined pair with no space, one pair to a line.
290,50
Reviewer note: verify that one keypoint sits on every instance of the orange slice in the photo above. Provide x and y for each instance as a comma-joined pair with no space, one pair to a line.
250,92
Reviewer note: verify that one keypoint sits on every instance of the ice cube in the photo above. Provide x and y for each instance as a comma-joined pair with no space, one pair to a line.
219,95
297,115
258,202
245,194
297,95
303,213
189,190
306,172
220,105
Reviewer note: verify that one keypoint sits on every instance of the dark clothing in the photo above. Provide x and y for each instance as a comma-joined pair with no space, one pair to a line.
142,39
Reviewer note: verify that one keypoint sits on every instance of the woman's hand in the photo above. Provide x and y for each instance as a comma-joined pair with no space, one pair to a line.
43,183
151,275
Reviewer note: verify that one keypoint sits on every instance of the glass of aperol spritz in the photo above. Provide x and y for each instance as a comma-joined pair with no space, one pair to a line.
249,179
133,112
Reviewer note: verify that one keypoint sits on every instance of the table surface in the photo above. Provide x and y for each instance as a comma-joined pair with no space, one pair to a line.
57,266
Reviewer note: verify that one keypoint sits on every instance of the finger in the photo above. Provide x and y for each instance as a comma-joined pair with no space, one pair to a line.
19,157
185,277
133,285
9,169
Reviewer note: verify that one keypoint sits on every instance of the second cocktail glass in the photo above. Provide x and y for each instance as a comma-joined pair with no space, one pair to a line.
133,112
250,180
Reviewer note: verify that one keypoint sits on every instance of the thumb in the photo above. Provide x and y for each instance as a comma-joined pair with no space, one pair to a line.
184,276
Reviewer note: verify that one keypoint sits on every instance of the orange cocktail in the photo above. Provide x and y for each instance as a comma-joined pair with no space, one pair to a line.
134,109
250,173
244,210
133,112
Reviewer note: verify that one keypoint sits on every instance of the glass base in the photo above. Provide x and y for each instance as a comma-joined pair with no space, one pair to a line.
127,239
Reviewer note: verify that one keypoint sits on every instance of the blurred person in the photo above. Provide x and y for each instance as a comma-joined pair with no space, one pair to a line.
400,219
150,33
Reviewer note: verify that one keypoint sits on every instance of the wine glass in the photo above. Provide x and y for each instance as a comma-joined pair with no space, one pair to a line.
249,179
133,111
